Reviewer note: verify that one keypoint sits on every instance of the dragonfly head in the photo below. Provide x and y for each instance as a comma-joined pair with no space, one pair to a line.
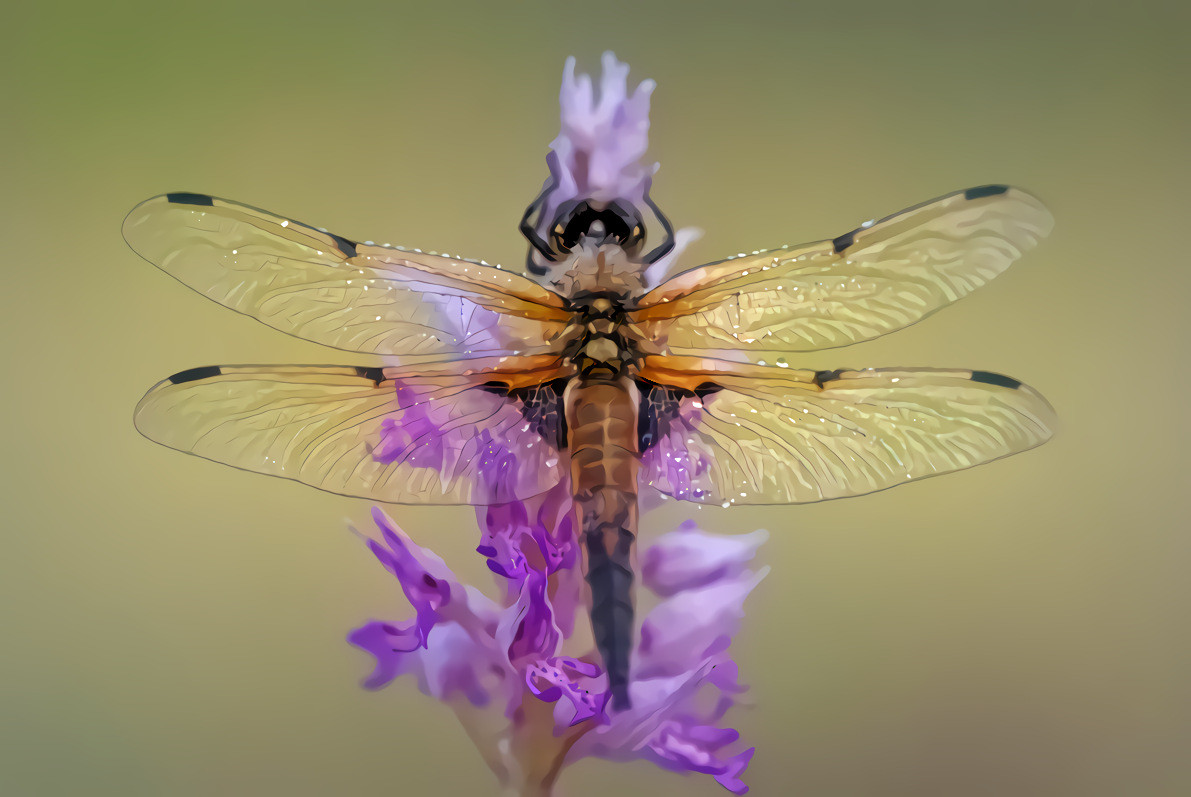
600,223
597,222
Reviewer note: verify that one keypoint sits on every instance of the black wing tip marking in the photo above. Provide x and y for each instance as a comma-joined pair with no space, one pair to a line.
847,239
823,377
187,198
347,247
375,374
195,374
989,378
985,190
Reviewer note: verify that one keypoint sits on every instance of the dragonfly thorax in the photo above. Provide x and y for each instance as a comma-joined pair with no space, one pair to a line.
600,284
594,271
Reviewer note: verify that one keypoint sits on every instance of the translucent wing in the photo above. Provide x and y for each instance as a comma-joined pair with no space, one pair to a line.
440,435
325,288
721,432
878,278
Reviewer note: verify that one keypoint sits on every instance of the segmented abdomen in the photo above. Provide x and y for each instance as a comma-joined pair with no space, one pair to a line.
602,438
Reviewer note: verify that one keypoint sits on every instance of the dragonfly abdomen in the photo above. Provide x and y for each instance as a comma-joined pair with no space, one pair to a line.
602,438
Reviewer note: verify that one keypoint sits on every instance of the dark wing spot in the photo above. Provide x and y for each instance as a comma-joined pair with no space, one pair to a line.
347,247
823,377
989,378
844,241
194,374
985,190
377,375
184,198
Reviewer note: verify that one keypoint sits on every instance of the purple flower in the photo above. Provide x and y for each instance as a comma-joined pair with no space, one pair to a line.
598,152
511,656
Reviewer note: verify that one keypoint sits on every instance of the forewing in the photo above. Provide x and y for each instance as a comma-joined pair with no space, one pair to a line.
439,435
878,278
333,291
722,432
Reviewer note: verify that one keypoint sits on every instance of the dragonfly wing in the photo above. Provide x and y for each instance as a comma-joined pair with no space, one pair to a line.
337,292
876,279
720,432
437,435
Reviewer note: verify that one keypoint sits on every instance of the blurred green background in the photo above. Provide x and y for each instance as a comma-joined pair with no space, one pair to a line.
173,627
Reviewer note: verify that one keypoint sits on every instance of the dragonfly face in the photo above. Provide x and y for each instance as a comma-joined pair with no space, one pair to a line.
589,376
599,223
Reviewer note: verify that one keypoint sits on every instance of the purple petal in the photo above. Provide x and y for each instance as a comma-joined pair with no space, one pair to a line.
503,526
457,661
734,767
571,683
449,645
389,644
527,631
451,664
689,558
424,577
692,626
683,238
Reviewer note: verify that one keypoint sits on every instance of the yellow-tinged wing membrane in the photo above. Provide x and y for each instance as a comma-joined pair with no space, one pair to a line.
722,432
440,435
878,278
333,291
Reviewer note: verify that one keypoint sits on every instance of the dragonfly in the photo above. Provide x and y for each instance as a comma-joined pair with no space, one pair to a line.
495,386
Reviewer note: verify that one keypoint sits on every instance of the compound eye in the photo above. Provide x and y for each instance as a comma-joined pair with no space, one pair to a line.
569,221
636,237
630,231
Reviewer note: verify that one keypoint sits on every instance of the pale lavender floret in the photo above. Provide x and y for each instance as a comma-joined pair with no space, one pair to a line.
688,559
451,671
598,150
658,271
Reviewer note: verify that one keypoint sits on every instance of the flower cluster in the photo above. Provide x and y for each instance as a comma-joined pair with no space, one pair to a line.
598,152
531,704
